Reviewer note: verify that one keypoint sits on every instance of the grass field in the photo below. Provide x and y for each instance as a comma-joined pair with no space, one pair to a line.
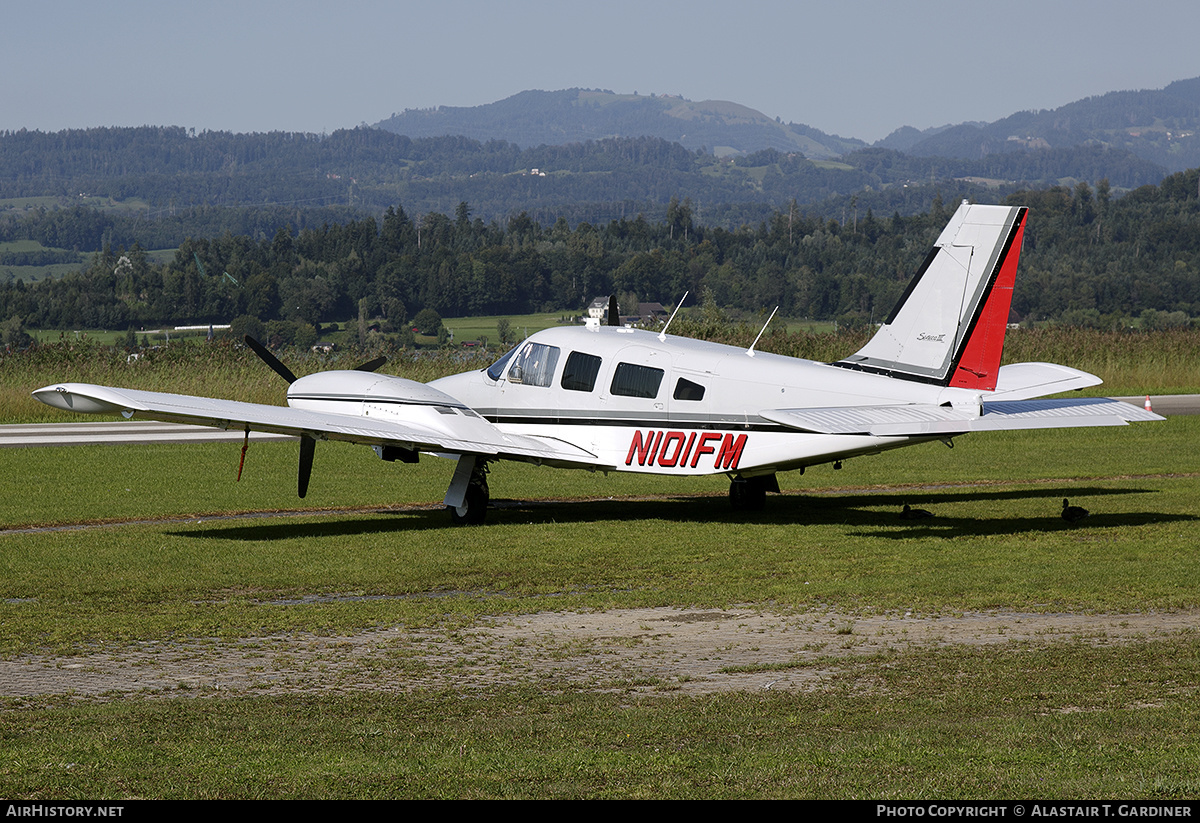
21,246
32,273
522,325
52,202
1074,716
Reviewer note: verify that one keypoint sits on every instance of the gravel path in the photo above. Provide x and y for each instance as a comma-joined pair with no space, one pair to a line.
659,650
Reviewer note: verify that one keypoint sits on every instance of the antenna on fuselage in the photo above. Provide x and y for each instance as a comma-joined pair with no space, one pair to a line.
614,312
750,351
662,335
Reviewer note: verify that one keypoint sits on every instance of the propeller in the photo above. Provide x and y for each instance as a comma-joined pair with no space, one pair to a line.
614,313
271,360
308,444
308,447
372,365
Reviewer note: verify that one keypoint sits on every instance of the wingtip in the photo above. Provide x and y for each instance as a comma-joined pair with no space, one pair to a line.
78,397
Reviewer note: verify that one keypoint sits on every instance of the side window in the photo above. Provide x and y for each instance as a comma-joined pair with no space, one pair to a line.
580,372
534,365
687,390
630,380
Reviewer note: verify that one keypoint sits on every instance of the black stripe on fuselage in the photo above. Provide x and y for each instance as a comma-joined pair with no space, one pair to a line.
633,423
896,373
521,417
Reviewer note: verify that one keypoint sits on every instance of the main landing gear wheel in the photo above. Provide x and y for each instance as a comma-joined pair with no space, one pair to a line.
749,494
473,511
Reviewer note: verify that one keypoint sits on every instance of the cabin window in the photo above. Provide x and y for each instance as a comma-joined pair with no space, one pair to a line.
580,372
687,390
631,380
534,365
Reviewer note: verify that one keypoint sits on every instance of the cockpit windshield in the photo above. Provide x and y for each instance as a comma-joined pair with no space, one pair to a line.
496,370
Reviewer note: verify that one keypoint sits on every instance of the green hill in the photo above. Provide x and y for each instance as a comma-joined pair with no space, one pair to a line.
534,118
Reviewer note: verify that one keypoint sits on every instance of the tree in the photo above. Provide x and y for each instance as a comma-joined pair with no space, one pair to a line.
364,311
247,325
427,322
13,334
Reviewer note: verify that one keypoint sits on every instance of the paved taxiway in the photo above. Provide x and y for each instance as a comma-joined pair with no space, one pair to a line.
121,432
139,431
1168,405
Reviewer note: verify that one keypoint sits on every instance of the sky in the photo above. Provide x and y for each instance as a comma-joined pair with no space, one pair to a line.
856,69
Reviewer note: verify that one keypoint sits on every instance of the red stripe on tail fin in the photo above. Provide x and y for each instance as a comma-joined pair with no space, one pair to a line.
979,365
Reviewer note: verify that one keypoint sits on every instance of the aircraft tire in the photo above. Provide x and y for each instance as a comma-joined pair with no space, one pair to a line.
474,508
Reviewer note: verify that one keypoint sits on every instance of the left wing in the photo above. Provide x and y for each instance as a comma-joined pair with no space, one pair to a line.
916,420
453,430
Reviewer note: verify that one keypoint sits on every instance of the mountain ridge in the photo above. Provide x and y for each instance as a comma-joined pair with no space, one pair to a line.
535,117
1158,125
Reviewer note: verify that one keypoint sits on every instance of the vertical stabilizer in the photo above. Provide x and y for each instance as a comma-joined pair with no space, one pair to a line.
948,328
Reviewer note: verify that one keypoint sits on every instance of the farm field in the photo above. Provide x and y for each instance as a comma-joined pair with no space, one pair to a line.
522,325
621,636
471,328
30,261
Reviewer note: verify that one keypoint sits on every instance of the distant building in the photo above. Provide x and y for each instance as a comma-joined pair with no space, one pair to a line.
597,312
598,308
649,314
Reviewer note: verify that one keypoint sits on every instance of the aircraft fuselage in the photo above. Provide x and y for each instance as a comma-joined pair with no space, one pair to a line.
675,405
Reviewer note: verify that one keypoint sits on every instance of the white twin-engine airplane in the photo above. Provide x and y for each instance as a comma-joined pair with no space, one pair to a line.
619,399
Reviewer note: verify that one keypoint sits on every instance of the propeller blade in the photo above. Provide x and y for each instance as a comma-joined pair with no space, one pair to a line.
614,313
271,360
372,365
307,448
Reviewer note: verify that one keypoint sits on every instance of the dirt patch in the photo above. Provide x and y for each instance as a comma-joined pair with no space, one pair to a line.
654,650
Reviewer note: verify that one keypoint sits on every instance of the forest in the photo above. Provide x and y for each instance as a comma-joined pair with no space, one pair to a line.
1089,259
163,171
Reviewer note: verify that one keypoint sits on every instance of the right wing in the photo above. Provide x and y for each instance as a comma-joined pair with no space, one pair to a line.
452,430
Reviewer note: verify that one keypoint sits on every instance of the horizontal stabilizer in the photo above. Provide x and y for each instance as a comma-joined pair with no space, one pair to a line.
1021,381
921,420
